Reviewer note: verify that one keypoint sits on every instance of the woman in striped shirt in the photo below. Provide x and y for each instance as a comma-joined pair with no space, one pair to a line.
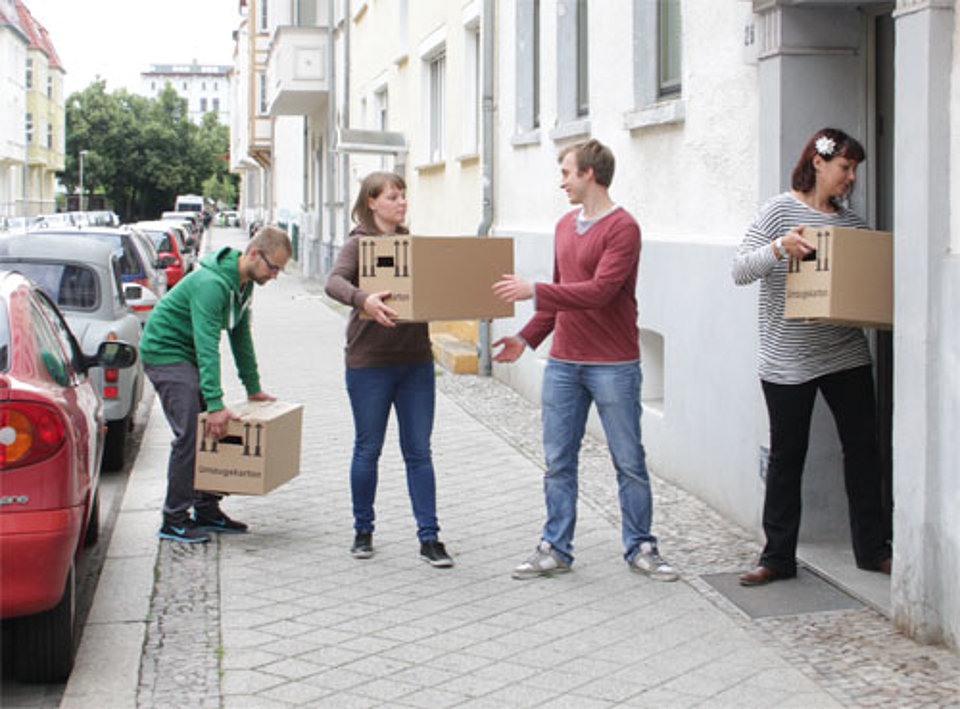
799,358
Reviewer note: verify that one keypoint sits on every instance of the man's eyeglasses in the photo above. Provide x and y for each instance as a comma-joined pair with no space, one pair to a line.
274,268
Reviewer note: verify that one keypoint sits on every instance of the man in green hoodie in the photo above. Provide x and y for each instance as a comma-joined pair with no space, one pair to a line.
180,348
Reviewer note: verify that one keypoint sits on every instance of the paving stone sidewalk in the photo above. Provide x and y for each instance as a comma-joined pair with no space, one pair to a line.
302,624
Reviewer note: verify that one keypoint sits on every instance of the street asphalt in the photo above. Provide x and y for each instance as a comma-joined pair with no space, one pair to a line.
284,617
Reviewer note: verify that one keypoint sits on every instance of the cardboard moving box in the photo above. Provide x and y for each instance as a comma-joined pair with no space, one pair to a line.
848,281
260,452
437,277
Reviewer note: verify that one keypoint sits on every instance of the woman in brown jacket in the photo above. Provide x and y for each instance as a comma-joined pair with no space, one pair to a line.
389,364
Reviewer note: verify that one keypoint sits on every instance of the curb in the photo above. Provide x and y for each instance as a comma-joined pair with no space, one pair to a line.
107,670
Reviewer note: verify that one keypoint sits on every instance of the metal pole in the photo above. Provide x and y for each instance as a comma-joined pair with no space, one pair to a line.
82,153
331,135
484,365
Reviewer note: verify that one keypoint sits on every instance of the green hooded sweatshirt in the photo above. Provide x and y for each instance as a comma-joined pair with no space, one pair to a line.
185,325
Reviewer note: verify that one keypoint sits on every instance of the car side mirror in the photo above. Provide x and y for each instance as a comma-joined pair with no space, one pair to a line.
167,261
133,292
190,242
114,354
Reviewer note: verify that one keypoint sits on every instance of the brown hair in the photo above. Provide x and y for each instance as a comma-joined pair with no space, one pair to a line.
804,177
271,239
592,155
372,187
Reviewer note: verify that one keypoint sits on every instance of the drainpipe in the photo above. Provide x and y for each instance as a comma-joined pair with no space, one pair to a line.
331,134
484,367
345,157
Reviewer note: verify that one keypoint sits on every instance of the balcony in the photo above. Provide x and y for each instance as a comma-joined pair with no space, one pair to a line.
297,71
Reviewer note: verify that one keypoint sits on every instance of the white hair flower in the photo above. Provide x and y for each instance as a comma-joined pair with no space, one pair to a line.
825,146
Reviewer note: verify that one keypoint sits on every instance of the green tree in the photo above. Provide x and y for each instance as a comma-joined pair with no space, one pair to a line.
141,153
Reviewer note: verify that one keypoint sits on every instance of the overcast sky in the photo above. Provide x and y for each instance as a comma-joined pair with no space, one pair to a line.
118,39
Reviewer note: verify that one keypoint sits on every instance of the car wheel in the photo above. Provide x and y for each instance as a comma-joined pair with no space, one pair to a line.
116,444
45,642
93,526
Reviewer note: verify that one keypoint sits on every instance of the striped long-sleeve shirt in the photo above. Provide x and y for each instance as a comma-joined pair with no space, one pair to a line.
793,351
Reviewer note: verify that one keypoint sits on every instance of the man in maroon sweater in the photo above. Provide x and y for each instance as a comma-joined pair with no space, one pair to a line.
591,308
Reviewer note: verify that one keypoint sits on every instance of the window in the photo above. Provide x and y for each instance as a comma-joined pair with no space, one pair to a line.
203,85
472,88
29,77
528,71
29,127
657,64
380,108
437,68
263,92
49,85
153,85
184,85
216,105
306,13
50,135
203,105
668,45
264,24
573,87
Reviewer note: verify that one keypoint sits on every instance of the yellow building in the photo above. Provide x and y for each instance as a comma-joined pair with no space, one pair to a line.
45,115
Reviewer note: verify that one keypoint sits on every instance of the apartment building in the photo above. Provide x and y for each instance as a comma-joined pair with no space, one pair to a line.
45,115
13,106
706,106
205,87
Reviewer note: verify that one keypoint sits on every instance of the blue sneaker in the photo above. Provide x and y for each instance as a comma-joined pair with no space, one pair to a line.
184,532
216,521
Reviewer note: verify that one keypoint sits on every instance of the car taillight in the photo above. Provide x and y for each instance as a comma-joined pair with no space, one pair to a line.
111,375
29,433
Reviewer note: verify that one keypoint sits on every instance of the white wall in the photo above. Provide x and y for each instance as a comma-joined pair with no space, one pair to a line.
287,168
692,186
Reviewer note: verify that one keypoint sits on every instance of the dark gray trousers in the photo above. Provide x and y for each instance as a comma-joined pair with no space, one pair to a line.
178,386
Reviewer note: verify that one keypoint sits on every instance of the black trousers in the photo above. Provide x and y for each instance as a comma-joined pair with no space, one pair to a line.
850,396
178,387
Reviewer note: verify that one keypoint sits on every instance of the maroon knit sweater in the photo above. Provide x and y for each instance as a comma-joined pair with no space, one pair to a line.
591,305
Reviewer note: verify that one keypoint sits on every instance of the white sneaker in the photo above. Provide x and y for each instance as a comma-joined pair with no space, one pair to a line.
543,562
649,562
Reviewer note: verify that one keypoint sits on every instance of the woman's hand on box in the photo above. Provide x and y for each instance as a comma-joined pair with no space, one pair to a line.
261,396
378,310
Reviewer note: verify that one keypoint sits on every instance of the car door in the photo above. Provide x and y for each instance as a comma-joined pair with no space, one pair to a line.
86,406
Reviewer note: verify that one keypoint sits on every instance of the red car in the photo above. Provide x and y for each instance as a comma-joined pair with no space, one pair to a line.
172,258
51,443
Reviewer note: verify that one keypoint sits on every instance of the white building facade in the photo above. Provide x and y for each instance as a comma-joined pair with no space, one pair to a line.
13,107
205,87
706,106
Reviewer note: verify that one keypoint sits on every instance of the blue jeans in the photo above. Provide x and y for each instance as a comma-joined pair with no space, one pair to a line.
568,390
411,390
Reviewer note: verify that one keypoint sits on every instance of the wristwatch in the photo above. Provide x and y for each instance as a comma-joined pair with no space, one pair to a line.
781,249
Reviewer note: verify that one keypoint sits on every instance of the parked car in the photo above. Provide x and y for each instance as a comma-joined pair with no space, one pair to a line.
42,221
82,277
166,240
50,446
189,221
229,218
143,298
134,266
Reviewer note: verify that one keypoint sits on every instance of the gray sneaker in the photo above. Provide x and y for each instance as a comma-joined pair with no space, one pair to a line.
649,562
543,562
